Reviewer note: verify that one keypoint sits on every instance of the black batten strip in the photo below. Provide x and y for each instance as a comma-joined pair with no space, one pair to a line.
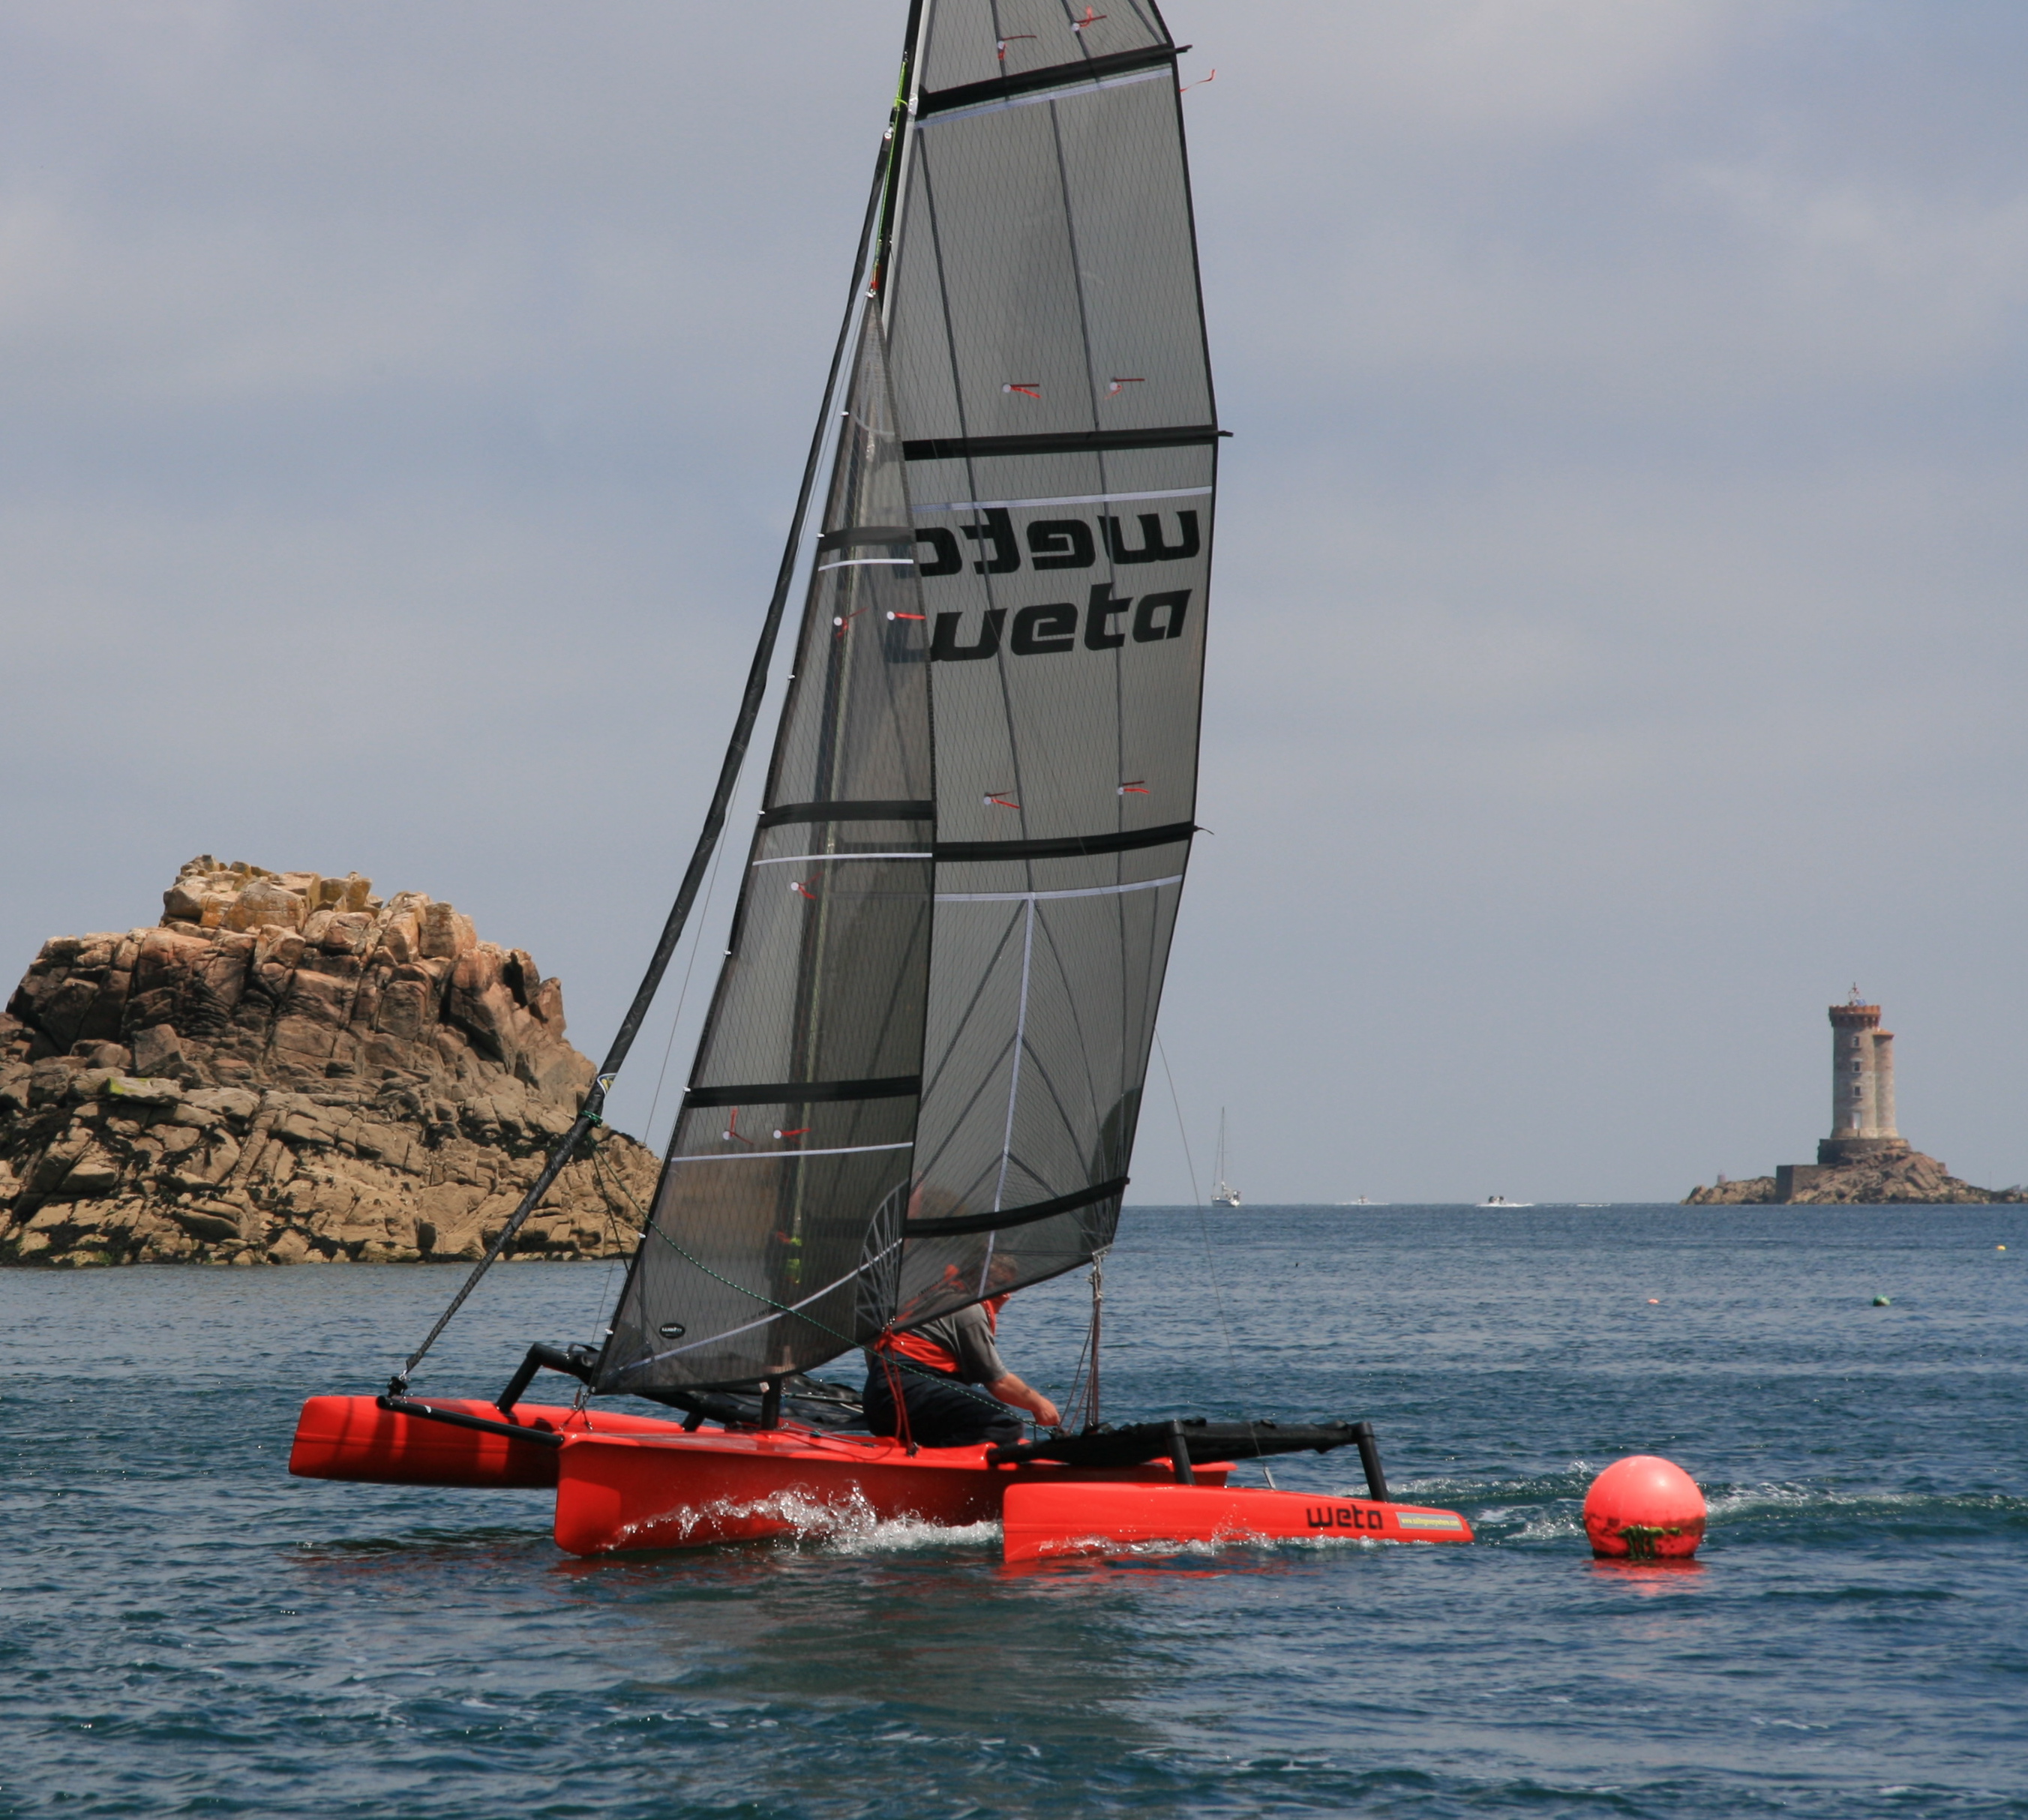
859,812
1058,442
803,1092
1016,1216
1057,76
1066,846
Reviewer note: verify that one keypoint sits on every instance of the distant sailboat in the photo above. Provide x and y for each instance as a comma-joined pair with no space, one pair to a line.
1222,1193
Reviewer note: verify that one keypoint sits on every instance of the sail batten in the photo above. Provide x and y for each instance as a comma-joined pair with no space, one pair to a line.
1062,442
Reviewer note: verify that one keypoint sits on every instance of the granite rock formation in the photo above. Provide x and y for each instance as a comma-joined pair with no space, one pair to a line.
288,1069
1907,1176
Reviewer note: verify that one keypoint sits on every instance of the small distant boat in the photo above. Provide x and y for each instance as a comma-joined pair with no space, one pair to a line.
1223,1193
1362,1201
1501,1200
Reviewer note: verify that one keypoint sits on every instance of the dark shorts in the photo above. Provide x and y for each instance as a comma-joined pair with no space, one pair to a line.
942,1412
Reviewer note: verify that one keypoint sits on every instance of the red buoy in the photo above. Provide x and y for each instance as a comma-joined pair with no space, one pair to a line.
1644,1508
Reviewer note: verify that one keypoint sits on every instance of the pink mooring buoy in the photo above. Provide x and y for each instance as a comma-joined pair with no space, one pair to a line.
1644,1508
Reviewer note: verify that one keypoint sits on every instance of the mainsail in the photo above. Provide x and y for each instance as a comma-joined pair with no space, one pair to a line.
920,1080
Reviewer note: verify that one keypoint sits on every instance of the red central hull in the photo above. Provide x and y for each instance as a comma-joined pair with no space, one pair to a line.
628,1482
615,1491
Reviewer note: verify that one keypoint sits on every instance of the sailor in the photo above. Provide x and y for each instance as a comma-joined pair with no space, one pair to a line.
929,1362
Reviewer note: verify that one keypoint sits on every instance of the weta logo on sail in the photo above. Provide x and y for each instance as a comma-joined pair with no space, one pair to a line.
1343,1517
1056,543
1107,622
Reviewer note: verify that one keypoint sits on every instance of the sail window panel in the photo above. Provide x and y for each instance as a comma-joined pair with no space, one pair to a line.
1056,742
968,1057
962,37
830,952
1130,214
1061,247
856,725
1051,753
1042,1013
1088,738
1005,279
760,1265
857,728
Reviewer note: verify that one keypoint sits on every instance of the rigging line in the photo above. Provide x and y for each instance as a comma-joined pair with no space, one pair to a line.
1020,1039
1083,1394
683,992
591,1112
1211,1263
597,1152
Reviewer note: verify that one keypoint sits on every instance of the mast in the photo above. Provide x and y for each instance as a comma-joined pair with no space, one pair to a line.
1222,1193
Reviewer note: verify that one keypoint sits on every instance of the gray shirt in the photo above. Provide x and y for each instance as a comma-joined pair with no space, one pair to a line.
969,1334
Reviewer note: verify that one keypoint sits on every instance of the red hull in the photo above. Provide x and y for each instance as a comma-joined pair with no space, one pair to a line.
629,1482
353,1438
616,1493
1043,1520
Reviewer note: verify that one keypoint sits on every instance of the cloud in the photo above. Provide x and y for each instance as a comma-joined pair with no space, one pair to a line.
1617,618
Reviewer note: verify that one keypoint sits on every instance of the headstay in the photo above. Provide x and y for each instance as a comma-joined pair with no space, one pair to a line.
920,1080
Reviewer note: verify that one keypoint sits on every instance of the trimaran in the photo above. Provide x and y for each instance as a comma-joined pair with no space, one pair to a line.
918,1080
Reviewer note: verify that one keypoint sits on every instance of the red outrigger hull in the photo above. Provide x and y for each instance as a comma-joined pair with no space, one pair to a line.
1039,1522
630,1482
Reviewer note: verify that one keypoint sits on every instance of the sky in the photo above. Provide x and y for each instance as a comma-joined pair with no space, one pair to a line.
1617,647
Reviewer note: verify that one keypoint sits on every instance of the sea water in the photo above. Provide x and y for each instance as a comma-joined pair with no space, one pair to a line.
188,1630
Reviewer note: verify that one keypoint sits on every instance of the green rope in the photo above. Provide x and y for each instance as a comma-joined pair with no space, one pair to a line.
904,1363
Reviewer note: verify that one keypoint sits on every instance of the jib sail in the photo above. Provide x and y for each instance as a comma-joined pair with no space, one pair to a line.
775,1237
920,1080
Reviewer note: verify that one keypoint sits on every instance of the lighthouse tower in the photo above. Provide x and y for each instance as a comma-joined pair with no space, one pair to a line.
1861,1086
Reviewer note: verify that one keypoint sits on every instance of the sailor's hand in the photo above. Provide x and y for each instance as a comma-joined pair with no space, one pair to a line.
1011,1390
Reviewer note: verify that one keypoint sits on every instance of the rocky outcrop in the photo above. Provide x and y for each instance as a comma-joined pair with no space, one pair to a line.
1907,1176
1754,1191
288,1069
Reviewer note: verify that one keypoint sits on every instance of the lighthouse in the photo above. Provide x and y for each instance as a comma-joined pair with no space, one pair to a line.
1861,1086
